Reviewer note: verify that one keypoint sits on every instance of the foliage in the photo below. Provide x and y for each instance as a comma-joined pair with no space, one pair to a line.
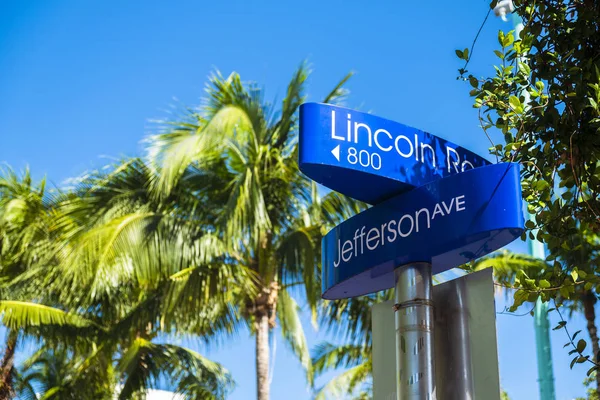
591,394
46,374
239,155
98,281
544,98
214,230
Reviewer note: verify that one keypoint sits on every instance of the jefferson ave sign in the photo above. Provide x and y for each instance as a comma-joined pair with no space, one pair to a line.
445,223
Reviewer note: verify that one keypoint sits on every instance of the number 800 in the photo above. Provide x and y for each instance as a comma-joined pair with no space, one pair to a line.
364,158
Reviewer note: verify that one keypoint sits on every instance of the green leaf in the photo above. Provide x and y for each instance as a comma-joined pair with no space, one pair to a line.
540,185
567,195
524,68
574,275
544,284
575,335
508,40
573,361
560,325
460,54
581,345
514,102
520,297
539,85
473,81
500,37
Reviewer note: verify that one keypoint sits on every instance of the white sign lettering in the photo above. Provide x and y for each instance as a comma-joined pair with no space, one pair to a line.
405,226
381,140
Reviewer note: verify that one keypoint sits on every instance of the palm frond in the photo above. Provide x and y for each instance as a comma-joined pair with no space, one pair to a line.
336,207
201,148
339,93
23,387
245,215
329,356
346,383
506,264
196,376
57,372
231,92
23,315
280,134
298,259
292,331
201,289
350,319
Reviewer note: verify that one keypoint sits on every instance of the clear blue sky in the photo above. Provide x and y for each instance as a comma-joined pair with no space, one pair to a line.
80,80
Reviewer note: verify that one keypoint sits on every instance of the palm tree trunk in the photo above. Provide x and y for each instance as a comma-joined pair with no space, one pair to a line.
7,364
589,301
262,356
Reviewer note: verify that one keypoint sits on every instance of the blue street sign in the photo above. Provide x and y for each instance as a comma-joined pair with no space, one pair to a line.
370,158
447,223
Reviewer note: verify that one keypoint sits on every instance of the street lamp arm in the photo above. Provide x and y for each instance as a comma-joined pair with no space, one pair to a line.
503,8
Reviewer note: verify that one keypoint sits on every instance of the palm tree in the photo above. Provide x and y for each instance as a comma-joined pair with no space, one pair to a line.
110,284
23,242
102,359
240,155
45,374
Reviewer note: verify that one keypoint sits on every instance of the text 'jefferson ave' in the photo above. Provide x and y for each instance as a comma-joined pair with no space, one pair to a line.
389,231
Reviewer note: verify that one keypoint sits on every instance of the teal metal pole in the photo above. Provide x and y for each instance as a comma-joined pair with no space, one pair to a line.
544,352
542,334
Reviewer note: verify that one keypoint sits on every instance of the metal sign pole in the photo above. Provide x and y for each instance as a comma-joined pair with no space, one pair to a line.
414,311
465,350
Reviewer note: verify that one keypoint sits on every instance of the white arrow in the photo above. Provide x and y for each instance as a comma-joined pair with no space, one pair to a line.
336,152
